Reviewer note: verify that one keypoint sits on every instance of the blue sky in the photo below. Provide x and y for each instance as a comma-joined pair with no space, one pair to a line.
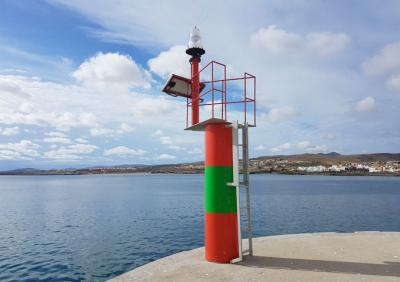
80,80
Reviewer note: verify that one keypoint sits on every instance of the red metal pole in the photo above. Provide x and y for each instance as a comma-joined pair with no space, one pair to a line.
195,89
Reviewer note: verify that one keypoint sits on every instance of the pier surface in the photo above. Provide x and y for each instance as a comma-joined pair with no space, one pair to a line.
363,256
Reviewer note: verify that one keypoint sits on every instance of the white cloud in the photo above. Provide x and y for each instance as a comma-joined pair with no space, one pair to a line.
8,131
176,140
61,140
80,140
66,107
100,131
366,105
279,41
158,132
23,150
68,120
10,87
56,134
174,61
82,148
9,155
328,136
281,114
166,157
61,121
276,40
13,71
394,82
326,43
52,62
385,61
123,151
280,148
195,151
166,140
260,148
71,152
318,92
125,128
303,146
58,108
148,108
112,69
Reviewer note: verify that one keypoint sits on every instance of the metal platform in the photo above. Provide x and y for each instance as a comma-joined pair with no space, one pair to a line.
201,125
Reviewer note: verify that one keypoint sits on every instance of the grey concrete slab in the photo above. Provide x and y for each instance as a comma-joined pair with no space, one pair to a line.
361,256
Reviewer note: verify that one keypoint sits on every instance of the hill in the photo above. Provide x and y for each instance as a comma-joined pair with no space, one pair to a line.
332,163
335,158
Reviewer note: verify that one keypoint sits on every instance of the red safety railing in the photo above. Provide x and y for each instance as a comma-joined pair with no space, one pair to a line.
216,93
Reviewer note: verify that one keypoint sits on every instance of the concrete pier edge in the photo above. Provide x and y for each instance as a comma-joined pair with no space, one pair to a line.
328,256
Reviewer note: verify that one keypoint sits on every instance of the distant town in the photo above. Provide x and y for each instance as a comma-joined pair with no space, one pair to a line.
326,164
332,163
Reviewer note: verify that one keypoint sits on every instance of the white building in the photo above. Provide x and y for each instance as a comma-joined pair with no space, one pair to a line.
337,168
319,168
374,169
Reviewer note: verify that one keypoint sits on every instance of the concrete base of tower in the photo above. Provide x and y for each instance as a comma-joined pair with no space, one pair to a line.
363,256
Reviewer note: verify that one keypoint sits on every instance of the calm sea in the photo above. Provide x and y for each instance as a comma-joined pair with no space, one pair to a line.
74,228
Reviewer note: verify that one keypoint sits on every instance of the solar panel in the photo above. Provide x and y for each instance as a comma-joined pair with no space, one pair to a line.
180,86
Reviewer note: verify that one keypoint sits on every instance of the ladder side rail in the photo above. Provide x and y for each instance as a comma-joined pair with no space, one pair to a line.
245,142
235,183
235,154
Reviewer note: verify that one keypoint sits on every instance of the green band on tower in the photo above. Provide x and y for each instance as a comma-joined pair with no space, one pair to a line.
219,197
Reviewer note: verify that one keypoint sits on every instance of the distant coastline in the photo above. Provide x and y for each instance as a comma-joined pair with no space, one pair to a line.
305,164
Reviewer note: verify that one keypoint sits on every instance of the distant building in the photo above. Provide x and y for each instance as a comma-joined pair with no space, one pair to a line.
337,168
375,169
319,168
362,167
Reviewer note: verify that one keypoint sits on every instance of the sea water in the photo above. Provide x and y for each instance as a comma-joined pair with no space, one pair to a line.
94,227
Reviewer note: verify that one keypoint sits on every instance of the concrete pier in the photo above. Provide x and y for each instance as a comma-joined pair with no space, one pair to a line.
361,256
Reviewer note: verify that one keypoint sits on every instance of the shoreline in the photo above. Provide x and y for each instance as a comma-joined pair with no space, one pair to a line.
197,173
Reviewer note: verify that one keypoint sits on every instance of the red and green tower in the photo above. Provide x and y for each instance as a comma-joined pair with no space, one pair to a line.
222,220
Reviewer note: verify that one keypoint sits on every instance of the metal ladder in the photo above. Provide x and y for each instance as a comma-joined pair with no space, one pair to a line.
241,181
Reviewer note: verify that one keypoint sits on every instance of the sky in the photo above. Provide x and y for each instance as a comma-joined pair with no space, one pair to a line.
80,81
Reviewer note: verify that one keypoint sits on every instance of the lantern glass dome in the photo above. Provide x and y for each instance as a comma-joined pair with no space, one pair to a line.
195,39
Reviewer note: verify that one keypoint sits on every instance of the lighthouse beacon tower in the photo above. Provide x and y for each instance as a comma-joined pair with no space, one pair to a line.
226,148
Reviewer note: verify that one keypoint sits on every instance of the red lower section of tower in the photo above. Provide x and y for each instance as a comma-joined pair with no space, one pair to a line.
221,242
221,234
